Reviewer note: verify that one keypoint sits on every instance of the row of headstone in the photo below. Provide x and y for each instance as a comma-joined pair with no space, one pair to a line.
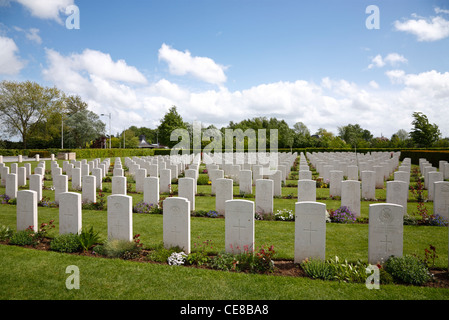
385,224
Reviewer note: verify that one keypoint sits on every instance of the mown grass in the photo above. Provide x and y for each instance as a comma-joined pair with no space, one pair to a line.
33,274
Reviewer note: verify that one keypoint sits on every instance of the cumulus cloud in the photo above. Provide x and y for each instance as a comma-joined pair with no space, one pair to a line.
10,63
47,9
328,104
392,59
183,63
31,34
425,29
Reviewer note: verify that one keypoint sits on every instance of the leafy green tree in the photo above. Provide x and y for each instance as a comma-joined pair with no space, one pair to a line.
424,134
354,135
23,105
172,120
82,128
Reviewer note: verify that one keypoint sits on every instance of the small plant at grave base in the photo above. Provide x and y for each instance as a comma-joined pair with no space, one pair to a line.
142,207
342,215
260,261
408,269
160,253
4,199
346,271
199,257
5,233
66,243
177,258
430,255
317,269
261,215
88,238
418,191
437,220
284,215
212,214
119,249
45,202
136,240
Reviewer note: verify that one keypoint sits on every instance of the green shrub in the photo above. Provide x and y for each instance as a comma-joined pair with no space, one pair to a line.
318,269
122,249
5,233
23,238
408,269
88,238
68,242
161,254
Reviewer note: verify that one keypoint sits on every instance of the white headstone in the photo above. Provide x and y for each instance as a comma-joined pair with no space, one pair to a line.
385,232
264,196
310,231
118,185
239,226
60,183
89,193
70,214
11,185
36,185
441,199
151,190
165,180
336,177
397,193
120,217
306,190
433,177
76,179
224,192
246,182
350,196
27,210
186,189
368,185
176,223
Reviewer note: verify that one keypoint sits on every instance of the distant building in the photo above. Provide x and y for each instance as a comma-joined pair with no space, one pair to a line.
144,144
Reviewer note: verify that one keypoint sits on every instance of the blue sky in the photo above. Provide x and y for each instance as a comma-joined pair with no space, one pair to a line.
314,62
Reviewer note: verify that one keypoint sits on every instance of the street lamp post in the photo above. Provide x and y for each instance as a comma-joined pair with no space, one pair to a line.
110,135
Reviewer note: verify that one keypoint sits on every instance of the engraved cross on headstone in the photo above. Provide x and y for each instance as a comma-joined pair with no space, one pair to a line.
310,230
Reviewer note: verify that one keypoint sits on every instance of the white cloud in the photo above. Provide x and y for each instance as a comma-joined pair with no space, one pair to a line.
182,63
31,34
392,59
439,10
431,29
47,9
328,104
10,63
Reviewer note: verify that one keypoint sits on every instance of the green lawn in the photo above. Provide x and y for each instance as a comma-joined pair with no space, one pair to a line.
33,274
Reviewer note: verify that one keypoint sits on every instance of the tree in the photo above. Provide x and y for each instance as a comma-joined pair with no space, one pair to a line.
423,133
172,120
82,128
25,104
354,135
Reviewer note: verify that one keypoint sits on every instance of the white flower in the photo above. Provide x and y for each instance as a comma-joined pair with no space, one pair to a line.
176,258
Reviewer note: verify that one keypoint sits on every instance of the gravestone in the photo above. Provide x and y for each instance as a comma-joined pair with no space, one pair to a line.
36,185
140,176
433,177
76,179
70,214
379,170
98,173
21,176
213,176
120,217
304,175
224,192
239,226
397,194
89,194
350,196
310,231
385,232
306,190
61,183
264,196
368,185
336,177
246,182
165,180
186,189
176,223
277,182
11,186
118,185
151,190
441,199
27,210
353,172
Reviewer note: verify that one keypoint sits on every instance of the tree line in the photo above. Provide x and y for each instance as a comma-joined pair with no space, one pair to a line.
46,117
